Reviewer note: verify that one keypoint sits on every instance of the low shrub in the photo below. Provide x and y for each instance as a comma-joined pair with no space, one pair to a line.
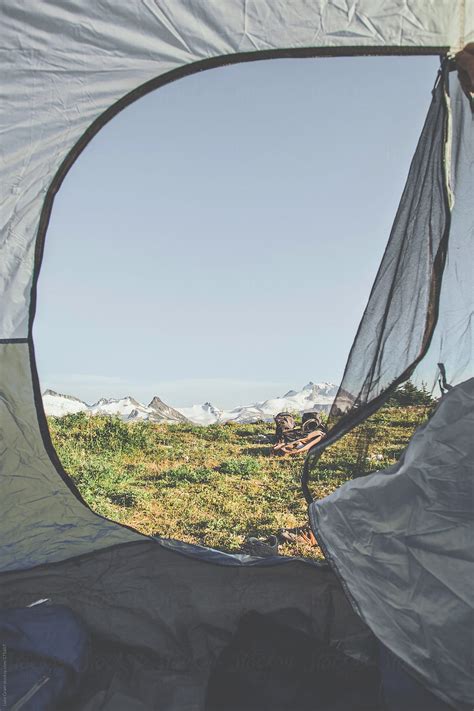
102,433
184,475
218,433
240,466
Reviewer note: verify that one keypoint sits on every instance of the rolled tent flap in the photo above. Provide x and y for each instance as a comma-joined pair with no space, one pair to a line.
401,542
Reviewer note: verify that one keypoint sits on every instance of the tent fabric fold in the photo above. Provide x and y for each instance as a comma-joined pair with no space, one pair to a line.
402,541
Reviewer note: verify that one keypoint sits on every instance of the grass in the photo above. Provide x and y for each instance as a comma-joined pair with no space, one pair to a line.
213,485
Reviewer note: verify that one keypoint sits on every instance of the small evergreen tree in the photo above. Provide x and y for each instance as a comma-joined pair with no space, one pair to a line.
409,394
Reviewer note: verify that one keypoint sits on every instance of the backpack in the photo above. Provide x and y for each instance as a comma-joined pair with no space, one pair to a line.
285,423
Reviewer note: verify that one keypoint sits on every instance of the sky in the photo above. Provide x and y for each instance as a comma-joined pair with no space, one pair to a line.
218,239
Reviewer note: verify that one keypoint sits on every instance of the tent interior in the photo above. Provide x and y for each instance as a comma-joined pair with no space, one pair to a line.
95,615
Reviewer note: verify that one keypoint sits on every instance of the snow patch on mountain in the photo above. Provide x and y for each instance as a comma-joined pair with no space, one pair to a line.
205,414
121,407
57,405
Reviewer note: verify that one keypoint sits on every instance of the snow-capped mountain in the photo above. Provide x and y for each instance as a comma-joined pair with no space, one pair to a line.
127,408
161,412
205,414
121,407
313,397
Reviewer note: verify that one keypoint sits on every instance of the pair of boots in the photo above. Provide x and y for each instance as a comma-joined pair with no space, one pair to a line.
265,547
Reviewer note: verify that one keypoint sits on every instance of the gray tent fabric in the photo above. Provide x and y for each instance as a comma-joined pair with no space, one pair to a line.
160,615
453,340
402,542
42,521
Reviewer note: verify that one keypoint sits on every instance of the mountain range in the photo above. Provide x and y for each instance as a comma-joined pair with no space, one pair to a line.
312,397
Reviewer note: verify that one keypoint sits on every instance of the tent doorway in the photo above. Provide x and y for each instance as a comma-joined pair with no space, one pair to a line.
214,246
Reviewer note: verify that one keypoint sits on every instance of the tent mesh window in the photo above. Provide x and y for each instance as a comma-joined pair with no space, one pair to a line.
419,313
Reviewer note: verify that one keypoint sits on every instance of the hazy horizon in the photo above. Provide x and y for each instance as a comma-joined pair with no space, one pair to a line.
218,240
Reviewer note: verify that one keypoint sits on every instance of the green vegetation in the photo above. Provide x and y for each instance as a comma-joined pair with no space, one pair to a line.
214,485
408,394
241,466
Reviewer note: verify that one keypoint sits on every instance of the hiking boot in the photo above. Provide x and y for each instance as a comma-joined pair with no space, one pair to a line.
262,548
300,534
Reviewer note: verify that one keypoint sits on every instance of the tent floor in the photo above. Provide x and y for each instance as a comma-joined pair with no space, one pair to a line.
174,627
267,666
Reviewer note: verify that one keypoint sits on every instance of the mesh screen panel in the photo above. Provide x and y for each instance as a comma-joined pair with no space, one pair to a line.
420,308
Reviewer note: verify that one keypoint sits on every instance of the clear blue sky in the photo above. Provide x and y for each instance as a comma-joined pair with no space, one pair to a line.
219,238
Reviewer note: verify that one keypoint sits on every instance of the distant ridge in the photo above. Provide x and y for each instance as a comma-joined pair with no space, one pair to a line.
313,397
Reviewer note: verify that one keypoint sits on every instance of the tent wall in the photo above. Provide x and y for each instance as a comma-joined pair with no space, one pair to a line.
42,520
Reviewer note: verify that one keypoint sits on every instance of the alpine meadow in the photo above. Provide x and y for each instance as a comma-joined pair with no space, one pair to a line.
216,485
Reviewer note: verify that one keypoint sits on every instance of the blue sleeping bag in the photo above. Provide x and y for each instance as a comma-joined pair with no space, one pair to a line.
44,652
